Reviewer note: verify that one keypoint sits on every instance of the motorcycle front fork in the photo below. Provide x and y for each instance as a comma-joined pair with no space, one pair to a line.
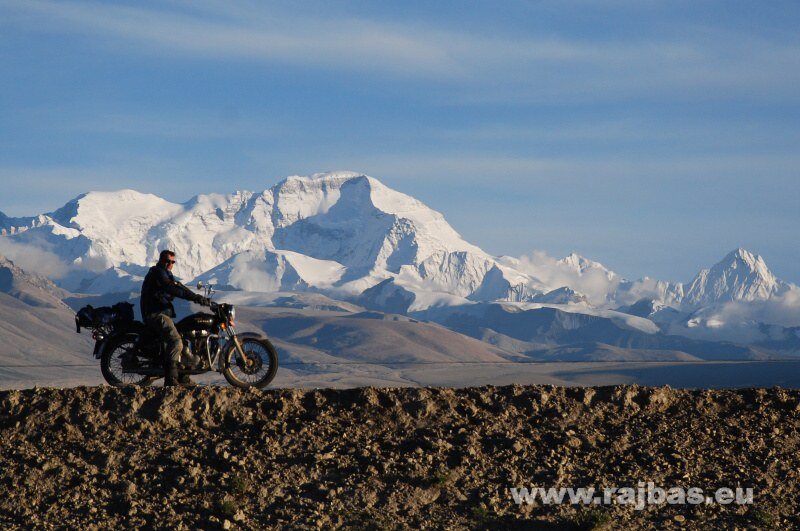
232,335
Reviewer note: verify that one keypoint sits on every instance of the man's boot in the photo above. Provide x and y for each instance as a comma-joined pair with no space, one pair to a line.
185,381
171,375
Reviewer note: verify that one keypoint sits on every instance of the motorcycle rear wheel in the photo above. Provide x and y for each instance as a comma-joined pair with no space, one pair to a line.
264,363
111,363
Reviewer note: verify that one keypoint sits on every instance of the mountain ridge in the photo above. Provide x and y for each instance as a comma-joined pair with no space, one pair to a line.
347,235
740,275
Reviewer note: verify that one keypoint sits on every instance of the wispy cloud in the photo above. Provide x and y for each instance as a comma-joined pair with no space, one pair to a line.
34,258
487,67
172,124
780,310
353,43
725,134
594,283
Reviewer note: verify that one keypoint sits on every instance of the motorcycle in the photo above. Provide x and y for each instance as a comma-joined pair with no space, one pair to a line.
131,353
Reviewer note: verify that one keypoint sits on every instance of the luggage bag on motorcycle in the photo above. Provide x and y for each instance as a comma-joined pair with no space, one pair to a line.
90,317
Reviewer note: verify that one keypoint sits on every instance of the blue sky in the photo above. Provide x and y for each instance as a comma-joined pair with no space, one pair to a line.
653,136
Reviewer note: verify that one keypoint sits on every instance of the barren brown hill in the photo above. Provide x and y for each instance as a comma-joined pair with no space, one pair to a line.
379,338
390,458
38,342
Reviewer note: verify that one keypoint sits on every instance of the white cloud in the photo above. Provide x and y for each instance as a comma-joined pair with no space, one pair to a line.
651,289
33,259
741,320
594,283
602,287
782,310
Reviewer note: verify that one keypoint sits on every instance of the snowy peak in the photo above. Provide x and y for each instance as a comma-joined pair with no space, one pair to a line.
744,259
581,265
355,220
352,230
9,225
563,295
113,222
103,210
740,276
297,197
351,196
576,262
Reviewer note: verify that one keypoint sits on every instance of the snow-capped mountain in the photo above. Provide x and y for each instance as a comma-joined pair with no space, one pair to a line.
740,276
738,299
339,231
563,295
349,237
582,265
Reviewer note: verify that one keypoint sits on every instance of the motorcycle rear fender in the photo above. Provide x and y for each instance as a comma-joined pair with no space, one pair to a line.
100,345
229,344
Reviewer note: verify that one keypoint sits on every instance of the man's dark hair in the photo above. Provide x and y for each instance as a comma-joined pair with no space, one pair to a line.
165,255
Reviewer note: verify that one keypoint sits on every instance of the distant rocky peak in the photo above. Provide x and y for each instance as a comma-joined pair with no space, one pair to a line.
744,259
581,265
739,276
30,288
562,295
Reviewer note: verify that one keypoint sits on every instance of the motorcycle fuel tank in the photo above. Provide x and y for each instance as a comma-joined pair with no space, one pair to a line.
196,321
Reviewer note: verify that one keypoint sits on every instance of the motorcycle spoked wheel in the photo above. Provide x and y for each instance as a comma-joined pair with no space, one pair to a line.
261,369
111,362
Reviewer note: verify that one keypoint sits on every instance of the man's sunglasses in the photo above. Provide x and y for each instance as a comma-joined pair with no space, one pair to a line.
170,261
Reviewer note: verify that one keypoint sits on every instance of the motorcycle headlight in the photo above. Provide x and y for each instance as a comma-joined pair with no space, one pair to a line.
232,313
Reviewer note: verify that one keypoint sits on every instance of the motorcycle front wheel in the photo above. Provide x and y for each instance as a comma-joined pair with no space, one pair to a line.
258,370
118,351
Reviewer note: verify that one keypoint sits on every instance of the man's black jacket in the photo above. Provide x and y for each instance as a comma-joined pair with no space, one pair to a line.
158,290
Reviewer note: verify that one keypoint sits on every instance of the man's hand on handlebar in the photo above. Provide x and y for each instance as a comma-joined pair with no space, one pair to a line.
204,301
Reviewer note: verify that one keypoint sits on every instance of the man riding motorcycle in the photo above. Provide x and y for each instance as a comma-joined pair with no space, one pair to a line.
158,291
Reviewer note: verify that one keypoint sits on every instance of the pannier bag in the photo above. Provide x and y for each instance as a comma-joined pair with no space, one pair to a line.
89,317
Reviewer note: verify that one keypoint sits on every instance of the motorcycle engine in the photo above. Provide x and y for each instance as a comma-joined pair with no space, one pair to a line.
189,359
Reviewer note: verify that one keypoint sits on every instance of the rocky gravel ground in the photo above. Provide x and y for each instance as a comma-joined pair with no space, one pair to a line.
422,458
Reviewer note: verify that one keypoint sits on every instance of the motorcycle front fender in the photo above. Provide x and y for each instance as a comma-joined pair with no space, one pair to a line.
229,345
98,348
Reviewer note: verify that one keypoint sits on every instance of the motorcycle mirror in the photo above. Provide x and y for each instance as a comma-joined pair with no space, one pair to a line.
199,284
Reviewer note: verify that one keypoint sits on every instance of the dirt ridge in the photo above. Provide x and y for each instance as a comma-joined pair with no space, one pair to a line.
390,458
